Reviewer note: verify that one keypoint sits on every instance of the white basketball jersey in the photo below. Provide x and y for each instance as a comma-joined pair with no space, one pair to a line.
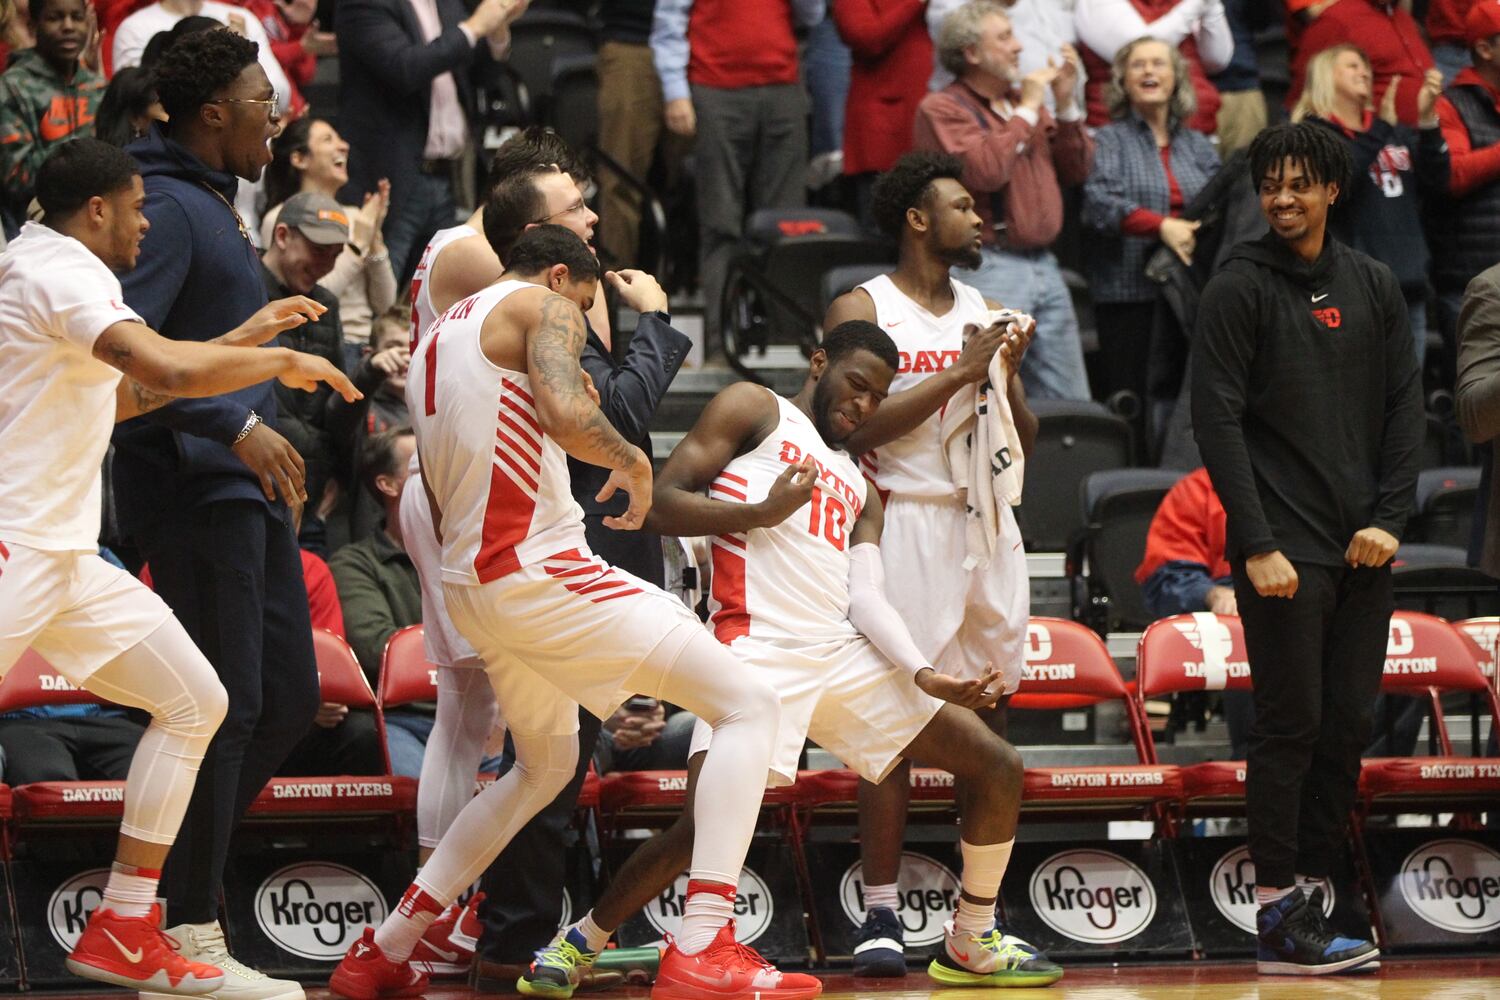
790,581
501,484
913,464
423,315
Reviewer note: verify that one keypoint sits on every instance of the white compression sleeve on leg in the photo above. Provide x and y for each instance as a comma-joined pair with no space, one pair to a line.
466,715
873,615
166,675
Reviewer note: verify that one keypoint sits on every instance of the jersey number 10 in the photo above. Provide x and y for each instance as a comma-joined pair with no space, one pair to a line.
828,518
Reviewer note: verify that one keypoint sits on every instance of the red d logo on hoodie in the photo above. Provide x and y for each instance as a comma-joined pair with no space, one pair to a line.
1330,317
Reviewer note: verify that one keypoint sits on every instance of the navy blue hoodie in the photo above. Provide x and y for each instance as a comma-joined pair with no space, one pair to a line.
197,278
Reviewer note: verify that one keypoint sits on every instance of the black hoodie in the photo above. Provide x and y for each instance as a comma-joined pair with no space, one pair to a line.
1306,400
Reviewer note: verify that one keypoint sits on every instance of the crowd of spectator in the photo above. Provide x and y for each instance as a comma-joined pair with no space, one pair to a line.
1090,133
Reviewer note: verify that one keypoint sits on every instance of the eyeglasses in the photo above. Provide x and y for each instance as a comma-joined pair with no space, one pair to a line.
577,208
270,104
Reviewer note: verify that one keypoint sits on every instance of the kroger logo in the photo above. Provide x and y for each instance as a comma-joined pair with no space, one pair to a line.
1093,896
69,908
1232,888
753,907
1453,884
926,894
317,910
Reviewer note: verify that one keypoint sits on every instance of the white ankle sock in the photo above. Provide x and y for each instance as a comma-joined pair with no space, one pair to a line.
877,896
596,936
1265,896
1307,884
130,891
398,936
710,905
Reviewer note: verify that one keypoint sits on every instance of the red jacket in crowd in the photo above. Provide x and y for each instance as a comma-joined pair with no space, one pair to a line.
1099,70
1468,168
1387,34
1188,527
892,60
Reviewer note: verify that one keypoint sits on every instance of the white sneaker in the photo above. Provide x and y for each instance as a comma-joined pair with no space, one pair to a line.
205,943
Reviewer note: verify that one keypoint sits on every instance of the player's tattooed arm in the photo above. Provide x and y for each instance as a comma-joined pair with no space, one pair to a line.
566,411
572,418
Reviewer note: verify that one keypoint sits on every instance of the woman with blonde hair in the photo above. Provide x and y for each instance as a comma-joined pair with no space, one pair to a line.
1148,167
1380,211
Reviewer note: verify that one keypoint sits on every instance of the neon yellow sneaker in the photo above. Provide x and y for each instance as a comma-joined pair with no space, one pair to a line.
993,958
559,967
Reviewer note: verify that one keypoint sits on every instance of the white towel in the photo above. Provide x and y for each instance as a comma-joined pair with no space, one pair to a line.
984,456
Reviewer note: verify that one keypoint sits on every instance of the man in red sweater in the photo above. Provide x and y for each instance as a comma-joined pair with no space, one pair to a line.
1016,156
1447,36
1464,229
728,73
1385,31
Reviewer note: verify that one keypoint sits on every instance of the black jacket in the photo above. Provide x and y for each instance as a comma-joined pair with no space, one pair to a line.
1380,211
385,88
629,392
1306,400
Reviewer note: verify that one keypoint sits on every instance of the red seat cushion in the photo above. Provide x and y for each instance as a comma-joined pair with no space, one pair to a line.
70,800
840,786
4,802
1123,784
1431,778
1214,779
336,794
588,795
625,790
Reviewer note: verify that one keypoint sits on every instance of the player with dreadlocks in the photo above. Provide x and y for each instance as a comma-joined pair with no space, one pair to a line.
1307,409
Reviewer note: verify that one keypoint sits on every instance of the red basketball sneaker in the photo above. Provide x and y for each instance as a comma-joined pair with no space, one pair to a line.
365,973
728,970
133,952
447,949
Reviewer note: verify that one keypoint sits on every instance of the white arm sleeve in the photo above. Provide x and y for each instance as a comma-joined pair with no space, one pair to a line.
872,614
1215,39
1107,26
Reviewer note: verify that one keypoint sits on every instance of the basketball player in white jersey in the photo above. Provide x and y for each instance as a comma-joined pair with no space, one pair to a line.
798,595
67,337
499,402
529,168
966,622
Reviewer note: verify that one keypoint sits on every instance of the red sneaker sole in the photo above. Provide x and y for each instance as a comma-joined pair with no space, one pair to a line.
186,988
686,991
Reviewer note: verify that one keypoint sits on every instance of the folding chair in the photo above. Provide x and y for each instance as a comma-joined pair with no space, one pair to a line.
1074,439
1118,506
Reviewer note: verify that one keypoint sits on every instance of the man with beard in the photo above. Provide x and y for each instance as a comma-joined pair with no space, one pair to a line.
203,485
966,622
798,595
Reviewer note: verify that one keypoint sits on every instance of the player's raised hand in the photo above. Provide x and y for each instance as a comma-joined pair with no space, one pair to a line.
271,319
973,363
789,493
305,371
976,693
636,482
1019,334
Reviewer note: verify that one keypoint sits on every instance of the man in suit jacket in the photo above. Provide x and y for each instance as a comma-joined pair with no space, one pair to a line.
1479,402
404,95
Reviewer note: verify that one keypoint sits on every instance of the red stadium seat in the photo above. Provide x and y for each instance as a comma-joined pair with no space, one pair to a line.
405,674
341,680
1068,666
32,683
1198,652
1485,632
1425,658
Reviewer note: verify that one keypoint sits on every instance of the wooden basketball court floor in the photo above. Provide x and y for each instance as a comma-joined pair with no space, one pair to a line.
1416,979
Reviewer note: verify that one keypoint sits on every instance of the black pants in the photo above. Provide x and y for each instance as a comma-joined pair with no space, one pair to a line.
232,574
1316,661
351,747
524,886
86,748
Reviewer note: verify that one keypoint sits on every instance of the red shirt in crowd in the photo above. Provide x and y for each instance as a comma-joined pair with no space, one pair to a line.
1099,70
736,44
1468,168
892,52
1388,35
1445,21
1188,527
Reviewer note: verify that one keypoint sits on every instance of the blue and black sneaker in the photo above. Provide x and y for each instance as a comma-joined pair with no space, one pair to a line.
880,946
1295,940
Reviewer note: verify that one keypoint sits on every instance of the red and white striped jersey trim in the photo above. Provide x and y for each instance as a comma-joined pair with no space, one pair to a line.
728,486
588,576
518,437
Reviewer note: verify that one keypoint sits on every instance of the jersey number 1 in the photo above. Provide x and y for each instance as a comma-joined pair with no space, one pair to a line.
827,519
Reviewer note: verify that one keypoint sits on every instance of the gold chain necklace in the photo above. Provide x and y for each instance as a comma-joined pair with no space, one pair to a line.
238,220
